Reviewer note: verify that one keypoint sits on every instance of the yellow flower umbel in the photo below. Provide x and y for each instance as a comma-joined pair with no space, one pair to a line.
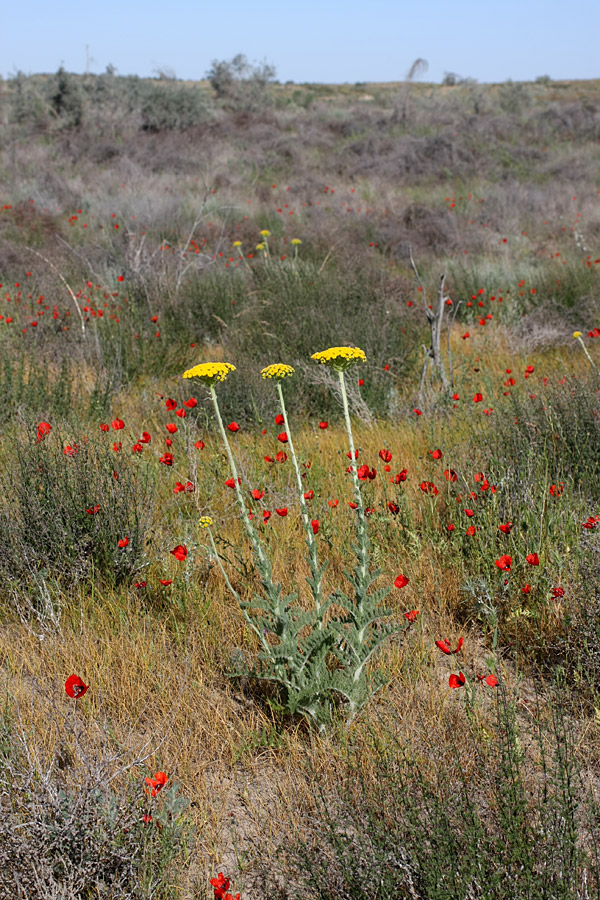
578,337
205,522
340,358
265,233
576,334
210,373
277,371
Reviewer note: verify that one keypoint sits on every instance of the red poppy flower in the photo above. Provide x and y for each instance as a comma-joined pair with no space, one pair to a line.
470,530
506,529
333,503
437,454
233,426
428,487
477,398
199,445
166,459
75,687
123,542
171,428
401,581
43,429
469,513
156,784
282,438
117,424
412,615
309,495
230,483
450,475
279,420
352,504
323,425
557,592
504,563
140,584
401,476
170,404
456,681
556,489
179,552
137,448
533,559
181,413
266,515
526,589
314,523
145,438
592,522
385,455
450,527
491,680
191,403
93,510
281,457
166,581
349,455
444,646
393,508
104,427
417,412
282,512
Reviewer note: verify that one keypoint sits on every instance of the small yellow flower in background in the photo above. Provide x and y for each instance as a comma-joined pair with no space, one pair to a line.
260,246
577,334
277,370
295,241
205,522
265,233
340,358
210,373
237,243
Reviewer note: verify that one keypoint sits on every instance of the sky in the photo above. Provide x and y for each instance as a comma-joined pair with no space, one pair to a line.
327,41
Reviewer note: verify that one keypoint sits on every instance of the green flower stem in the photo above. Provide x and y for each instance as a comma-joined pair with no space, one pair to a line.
310,537
238,492
357,490
585,350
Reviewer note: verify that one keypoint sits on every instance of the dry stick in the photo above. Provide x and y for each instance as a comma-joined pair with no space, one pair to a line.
65,282
435,327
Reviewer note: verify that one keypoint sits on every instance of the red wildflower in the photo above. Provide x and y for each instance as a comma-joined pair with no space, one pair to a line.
526,589
417,412
233,426
104,427
349,455
470,531
437,454
258,495
145,438
171,428
557,592
477,398
123,542
281,457
181,413
93,510
282,512
323,425
533,559
279,420
166,581
170,404
352,504
191,403
309,495
450,527
333,503
401,476
469,513
156,784
556,489
117,424
428,487
266,515
43,429
444,646
491,680
506,529
504,563
71,451
230,483
412,615
75,687
456,681
393,507
401,581
385,455
450,475
314,524
282,438
179,552
166,459
137,448
199,445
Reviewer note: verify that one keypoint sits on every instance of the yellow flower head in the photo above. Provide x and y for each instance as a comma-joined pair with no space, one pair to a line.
265,233
295,241
340,358
260,246
277,370
210,373
576,334
205,522
237,243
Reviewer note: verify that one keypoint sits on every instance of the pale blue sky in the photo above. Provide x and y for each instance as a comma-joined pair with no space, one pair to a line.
312,40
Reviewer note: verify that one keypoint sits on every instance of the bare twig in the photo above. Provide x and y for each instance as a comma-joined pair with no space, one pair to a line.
66,284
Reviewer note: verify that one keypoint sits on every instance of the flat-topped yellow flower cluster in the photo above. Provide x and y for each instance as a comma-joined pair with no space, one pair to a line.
340,358
277,370
211,372
205,521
